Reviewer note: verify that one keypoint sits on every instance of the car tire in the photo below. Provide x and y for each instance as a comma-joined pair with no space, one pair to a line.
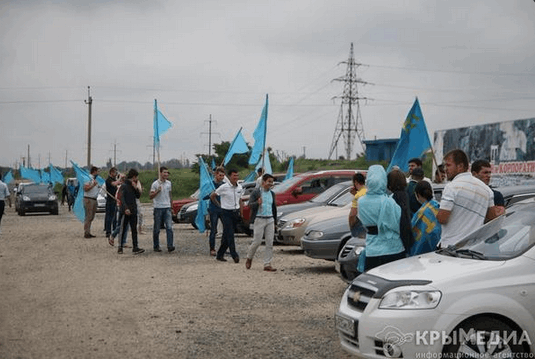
341,246
22,213
175,219
55,212
495,332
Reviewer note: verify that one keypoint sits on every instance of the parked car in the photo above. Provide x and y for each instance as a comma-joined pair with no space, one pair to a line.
177,205
292,227
472,299
301,188
101,200
32,197
322,199
346,263
325,237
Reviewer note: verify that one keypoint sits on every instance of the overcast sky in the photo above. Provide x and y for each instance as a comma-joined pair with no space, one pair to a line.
469,62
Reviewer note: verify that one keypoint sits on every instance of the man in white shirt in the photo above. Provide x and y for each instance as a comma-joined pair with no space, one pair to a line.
160,194
230,203
466,202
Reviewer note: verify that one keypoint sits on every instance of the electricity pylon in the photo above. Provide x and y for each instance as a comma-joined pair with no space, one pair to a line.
349,124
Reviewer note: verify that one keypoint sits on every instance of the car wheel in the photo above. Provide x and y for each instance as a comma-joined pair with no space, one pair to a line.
485,337
22,213
175,219
55,212
341,246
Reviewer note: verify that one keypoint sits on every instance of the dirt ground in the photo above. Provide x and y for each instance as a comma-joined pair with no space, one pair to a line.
63,296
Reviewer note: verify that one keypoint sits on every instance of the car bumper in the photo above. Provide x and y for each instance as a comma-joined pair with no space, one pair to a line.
321,249
48,206
376,333
291,236
346,264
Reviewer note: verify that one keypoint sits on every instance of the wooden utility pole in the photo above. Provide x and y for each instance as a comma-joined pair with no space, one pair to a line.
89,101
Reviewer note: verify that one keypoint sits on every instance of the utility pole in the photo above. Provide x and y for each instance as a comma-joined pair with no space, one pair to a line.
29,162
89,102
66,151
349,122
209,133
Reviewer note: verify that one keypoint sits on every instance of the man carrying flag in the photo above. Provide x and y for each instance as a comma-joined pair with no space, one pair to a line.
91,189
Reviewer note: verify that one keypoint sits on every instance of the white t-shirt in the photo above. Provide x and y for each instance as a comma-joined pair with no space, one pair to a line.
468,199
93,192
230,196
162,199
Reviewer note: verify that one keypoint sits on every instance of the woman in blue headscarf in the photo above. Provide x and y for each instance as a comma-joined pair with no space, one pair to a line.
380,215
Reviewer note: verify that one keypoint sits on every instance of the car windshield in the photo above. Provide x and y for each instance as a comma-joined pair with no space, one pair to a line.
330,192
342,200
503,238
287,184
31,189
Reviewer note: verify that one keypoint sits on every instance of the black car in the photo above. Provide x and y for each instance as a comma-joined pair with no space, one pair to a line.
36,198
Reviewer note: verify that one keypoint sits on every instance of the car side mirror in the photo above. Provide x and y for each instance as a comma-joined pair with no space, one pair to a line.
297,191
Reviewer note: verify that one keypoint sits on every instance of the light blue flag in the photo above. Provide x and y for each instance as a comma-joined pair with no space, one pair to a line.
238,145
250,177
259,136
213,164
413,141
45,176
8,177
161,124
83,177
290,171
206,186
30,173
55,175
265,163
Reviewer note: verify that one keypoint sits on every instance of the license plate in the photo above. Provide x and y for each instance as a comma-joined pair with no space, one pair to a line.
345,325
39,205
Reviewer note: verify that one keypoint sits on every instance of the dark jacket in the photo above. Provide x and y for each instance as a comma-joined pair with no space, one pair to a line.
405,228
129,193
253,204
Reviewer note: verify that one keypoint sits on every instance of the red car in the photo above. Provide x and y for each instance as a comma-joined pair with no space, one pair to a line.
301,188
177,204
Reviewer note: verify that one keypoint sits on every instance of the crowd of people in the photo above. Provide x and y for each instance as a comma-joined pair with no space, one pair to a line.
401,217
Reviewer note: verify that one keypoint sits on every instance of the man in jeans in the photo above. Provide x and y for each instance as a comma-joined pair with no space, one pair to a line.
160,194
214,210
111,188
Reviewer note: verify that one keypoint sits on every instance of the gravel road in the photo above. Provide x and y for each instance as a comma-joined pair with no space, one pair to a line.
63,296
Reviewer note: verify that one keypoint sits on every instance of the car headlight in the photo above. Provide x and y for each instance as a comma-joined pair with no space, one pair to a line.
52,197
294,223
411,299
314,234
358,250
192,208
26,198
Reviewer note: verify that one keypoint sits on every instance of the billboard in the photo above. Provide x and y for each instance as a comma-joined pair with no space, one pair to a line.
509,146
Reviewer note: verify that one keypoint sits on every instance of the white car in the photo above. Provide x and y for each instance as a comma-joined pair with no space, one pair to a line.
472,300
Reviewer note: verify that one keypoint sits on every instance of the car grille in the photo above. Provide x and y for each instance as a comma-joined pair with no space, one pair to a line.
360,293
182,212
346,250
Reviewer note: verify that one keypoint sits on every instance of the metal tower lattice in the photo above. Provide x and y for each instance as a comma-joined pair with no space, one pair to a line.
349,122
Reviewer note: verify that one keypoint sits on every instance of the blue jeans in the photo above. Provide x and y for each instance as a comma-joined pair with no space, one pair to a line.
110,220
162,216
230,220
215,215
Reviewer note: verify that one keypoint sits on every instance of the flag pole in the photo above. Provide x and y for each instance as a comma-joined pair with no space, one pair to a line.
157,142
265,135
